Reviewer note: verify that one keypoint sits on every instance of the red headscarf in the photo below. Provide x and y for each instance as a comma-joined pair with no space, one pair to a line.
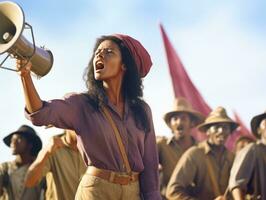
138,52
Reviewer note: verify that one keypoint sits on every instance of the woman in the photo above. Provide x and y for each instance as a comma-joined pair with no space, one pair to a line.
113,78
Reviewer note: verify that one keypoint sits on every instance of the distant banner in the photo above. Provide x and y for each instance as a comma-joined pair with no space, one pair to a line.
183,87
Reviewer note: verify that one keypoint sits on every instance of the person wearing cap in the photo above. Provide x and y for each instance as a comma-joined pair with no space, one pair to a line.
113,123
203,170
180,120
60,157
248,174
25,145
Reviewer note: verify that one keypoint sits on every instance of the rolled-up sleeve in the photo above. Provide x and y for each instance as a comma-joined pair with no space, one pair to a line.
149,177
58,112
242,168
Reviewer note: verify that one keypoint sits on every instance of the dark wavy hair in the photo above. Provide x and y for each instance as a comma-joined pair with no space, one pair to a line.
132,88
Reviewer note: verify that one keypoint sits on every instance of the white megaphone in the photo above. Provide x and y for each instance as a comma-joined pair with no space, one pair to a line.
12,24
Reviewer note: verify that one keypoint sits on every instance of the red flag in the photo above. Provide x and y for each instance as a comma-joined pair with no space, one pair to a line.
241,131
183,86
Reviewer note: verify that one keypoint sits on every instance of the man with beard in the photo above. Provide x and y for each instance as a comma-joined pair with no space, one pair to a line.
180,120
25,145
248,174
203,170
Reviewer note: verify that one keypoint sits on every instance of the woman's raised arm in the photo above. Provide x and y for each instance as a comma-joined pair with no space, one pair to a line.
32,99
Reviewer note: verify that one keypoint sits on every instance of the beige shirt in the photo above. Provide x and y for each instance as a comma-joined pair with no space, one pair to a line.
191,179
169,153
249,170
12,179
67,168
51,188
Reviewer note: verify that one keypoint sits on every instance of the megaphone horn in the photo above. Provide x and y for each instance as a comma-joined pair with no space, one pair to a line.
12,24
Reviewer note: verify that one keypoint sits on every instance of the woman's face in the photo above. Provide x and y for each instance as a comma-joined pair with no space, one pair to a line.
107,61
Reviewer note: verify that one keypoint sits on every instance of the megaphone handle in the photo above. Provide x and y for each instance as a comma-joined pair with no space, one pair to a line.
33,40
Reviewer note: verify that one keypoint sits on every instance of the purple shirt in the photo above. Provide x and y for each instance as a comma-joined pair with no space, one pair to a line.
96,140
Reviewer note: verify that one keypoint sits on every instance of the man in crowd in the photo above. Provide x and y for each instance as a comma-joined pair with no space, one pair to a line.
62,159
203,170
248,174
25,145
180,120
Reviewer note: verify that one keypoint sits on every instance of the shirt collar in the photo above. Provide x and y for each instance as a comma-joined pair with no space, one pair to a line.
172,139
113,108
206,146
260,142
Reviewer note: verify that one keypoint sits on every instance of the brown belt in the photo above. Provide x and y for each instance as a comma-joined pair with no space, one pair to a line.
113,177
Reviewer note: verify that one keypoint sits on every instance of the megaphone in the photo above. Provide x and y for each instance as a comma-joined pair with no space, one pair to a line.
12,25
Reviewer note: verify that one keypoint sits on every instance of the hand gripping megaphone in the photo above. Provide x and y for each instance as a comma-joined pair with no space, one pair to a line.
12,25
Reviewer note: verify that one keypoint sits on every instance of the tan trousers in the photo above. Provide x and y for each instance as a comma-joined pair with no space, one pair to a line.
95,188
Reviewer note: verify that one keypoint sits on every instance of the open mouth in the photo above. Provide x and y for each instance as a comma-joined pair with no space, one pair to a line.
180,128
99,66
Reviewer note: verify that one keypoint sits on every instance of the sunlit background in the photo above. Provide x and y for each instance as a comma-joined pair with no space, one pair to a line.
222,45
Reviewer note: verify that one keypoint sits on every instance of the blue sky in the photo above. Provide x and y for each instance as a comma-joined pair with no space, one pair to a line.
222,44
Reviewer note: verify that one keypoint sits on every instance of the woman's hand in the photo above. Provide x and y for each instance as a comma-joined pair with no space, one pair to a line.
23,67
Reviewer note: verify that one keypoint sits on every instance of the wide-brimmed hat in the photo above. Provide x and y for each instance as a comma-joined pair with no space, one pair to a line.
31,136
182,105
255,122
218,115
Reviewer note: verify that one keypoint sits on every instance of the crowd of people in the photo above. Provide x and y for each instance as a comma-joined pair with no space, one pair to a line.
109,150
207,169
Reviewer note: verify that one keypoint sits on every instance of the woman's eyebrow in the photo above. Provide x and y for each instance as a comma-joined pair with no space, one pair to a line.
107,48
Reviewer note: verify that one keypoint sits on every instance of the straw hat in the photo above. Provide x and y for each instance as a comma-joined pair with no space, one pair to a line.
218,115
182,105
255,122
